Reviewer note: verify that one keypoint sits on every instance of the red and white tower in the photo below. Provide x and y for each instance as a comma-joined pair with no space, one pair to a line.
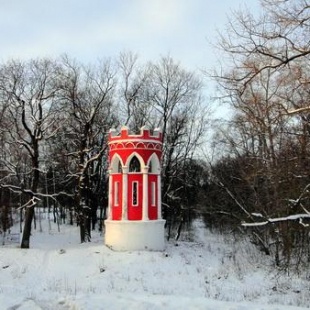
134,217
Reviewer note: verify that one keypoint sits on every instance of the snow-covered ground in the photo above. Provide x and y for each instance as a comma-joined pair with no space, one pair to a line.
210,272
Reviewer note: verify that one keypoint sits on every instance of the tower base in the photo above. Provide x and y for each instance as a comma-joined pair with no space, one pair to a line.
135,235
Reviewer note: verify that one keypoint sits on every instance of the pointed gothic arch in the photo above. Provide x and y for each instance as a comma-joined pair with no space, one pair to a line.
116,164
134,164
154,165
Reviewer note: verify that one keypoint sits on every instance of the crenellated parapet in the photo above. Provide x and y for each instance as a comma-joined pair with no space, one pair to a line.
145,135
144,143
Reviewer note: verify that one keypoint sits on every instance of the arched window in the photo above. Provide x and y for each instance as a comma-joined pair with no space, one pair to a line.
154,165
116,165
134,165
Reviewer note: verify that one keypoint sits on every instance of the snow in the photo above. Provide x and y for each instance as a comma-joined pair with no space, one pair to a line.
204,271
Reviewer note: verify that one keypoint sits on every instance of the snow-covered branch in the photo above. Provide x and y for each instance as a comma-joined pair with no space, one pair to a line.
297,111
18,189
293,217
30,203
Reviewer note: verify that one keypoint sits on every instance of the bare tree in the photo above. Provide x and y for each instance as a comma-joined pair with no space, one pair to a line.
181,113
278,38
163,94
87,95
27,91
264,81
134,91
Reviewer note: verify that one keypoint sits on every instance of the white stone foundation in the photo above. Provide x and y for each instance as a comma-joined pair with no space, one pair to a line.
135,235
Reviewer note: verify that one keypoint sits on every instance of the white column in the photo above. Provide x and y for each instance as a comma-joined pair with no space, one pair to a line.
125,194
110,196
145,194
159,197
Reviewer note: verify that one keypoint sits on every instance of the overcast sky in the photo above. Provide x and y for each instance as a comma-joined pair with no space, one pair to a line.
91,29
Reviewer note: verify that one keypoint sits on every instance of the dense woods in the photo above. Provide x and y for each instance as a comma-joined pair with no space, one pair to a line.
263,172
55,115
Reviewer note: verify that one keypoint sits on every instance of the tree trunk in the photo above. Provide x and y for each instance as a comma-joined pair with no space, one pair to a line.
25,243
29,214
